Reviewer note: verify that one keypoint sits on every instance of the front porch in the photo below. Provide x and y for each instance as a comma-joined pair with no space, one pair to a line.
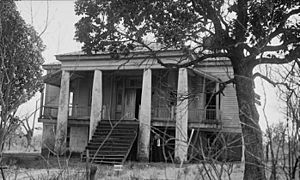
154,97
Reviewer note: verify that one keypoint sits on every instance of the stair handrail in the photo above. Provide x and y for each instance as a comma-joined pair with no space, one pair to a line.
125,157
106,138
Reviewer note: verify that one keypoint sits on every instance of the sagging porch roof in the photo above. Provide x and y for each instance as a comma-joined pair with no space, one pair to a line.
54,72
53,75
68,60
53,78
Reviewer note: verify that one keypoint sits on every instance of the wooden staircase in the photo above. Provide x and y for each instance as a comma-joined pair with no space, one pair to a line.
112,141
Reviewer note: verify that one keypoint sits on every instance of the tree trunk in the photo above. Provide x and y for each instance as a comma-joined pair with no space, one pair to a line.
249,117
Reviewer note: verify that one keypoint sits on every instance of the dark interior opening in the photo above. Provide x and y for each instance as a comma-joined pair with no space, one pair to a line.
138,102
162,144
132,156
211,145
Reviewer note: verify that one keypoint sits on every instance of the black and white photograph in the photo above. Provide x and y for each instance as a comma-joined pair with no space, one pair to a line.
150,89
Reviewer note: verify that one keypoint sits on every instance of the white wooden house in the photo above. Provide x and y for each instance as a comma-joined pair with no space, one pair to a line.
85,96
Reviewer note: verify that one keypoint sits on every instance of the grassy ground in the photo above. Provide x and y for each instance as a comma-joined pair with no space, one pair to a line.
44,168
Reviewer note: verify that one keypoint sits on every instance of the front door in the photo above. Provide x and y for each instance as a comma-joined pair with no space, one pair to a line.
128,98
130,104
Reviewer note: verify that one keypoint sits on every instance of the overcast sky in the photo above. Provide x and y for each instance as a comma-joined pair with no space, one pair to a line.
59,18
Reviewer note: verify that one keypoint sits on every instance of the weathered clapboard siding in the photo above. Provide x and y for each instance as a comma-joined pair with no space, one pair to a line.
48,139
107,94
230,111
78,138
52,95
51,100
228,102
163,83
81,101
196,99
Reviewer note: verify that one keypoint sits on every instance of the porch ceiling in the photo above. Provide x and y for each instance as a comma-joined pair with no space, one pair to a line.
55,78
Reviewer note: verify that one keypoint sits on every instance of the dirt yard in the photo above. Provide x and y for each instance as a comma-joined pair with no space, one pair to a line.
44,168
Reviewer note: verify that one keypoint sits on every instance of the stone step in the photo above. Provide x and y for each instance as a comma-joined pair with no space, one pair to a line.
122,122
111,141
114,133
115,137
107,162
115,142
117,125
107,145
106,155
115,130
107,152
111,148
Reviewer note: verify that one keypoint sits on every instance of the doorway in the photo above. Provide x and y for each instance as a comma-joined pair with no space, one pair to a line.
128,98
138,102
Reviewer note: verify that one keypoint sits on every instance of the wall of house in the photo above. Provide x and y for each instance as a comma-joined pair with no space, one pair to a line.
107,96
78,138
51,100
81,88
48,137
164,86
228,101
196,98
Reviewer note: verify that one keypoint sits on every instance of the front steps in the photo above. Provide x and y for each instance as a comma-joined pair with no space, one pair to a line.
112,141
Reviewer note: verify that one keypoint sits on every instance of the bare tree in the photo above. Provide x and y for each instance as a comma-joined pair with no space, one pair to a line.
29,129
242,31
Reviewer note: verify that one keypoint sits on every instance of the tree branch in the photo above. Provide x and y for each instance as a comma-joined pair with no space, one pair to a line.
292,56
203,57
223,86
280,27
270,81
273,60
206,10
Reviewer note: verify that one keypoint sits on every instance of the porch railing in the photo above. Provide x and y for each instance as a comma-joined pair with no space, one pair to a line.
50,111
79,111
195,115
204,115
158,113
75,112
163,113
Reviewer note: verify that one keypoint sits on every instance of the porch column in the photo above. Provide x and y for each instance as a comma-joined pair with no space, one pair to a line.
62,116
42,101
181,130
96,108
145,117
218,102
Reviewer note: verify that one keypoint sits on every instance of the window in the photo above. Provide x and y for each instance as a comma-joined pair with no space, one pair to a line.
210,100
71,103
